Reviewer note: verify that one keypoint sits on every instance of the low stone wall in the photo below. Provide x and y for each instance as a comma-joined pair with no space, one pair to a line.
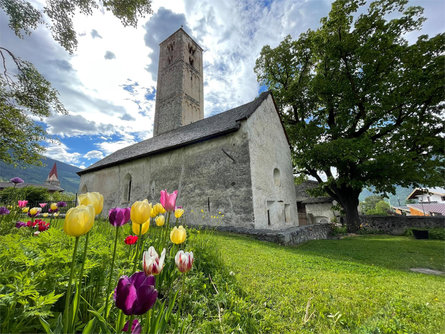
289,236
397,225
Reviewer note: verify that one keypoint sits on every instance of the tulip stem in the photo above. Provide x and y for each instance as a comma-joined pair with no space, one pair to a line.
111,273
137,248
84,256
180,302
130,324
68,294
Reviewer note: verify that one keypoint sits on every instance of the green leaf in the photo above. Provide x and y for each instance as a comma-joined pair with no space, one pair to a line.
45,326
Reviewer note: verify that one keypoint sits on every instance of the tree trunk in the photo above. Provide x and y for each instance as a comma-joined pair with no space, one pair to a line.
352,217
348,199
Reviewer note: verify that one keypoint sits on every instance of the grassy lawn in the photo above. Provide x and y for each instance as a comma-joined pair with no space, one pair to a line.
358,285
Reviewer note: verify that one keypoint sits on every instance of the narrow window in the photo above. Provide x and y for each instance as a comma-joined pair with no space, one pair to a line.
126,193
268,217
129,191
287,213
276,177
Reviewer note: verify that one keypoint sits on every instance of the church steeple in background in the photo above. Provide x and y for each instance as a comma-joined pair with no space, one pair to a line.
52,177
179,92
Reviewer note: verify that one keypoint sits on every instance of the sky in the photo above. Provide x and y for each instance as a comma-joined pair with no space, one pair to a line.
108,84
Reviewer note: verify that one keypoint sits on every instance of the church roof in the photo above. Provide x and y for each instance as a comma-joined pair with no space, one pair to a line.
53,173
220,124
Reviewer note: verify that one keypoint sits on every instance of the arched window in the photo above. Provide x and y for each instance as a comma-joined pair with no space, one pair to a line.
127,188
84,189
276,177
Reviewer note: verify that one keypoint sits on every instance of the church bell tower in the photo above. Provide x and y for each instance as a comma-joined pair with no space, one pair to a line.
179,92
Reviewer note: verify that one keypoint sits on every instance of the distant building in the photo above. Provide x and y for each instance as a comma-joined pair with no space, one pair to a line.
52,183
313,210
430,202
428,195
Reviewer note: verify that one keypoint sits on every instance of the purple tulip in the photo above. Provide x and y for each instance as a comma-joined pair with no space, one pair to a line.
61,204
135,294
20,224
3,210
119,216
135,328
16,180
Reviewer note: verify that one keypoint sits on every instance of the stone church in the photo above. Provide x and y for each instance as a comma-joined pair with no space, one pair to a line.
233,169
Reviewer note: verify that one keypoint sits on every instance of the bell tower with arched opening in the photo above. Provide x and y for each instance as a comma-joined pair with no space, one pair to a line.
179,92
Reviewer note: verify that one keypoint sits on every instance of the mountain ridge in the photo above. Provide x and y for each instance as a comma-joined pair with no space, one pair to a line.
69,180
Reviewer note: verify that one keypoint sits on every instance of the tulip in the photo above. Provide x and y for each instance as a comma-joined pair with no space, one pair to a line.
56,214
119,216
3,210
151,262
61,204
42,205
131,239
136,294
135,327
20,224
34,212
25,209
179,212
178,235
53,207
168,201
79,220
93,198
22,204
160,220
45,214
136,228
16,180
184,261
140,212
159,208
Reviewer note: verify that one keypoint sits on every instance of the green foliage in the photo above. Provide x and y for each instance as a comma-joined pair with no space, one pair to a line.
352,285
361,105
30,193
374,205
433,233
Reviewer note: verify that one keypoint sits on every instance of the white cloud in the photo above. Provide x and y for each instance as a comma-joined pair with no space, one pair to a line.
94,154
109,147
61,152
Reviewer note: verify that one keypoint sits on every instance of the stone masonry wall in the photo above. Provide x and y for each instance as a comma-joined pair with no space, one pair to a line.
399,224
290,236
213,179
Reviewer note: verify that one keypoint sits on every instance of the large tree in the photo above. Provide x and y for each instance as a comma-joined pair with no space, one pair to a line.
25,95
361,105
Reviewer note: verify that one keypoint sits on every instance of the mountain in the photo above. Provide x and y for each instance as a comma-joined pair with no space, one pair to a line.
397,199
69,180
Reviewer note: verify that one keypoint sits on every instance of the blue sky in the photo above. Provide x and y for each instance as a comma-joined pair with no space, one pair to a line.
109,84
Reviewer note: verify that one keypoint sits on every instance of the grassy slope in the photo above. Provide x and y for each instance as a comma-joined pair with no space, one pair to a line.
359,285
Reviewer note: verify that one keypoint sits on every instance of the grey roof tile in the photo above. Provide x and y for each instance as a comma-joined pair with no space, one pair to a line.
225,122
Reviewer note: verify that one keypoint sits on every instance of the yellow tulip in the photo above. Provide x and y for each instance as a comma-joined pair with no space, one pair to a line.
178,213
25,209
56,214
53,206
45,214
79,220
34,211
178,235
137,228
93,198
153,212
159,208
140,212
160,220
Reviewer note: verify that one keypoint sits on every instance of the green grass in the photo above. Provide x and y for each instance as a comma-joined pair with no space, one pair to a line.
353,285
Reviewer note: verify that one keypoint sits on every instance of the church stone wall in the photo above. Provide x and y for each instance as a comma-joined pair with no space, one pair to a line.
213,179
273,188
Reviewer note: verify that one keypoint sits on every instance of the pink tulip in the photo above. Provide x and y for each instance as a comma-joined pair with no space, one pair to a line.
168,201
42,205
22,204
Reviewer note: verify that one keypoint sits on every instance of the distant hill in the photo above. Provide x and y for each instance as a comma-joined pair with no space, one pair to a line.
397,199
69,180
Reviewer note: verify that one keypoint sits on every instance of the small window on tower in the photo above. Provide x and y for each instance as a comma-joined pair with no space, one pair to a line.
191,60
